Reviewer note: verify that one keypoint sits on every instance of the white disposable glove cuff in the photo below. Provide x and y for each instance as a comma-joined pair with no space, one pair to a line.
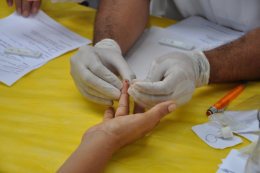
204,67
109,44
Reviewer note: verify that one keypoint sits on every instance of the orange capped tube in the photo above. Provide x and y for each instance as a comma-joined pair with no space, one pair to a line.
222,103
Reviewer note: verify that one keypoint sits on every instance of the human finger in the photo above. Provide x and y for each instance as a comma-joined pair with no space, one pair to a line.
145,105
159,111
138,108
181,96
123,104
94,98
150,99
26,8
18,6
87,88
124,70
97,68
167,86
109,114
156,73
9,3
36,6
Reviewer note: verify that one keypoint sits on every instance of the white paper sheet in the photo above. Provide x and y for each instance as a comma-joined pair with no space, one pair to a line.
234,163
37,32
194,30
203,31
251,136
207,132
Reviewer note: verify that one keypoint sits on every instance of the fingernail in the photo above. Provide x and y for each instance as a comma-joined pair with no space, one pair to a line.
25,13
35,10
172,107
19,10
10,3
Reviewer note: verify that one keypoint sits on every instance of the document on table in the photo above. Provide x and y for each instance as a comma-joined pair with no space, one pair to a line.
204,32
207,132
234,163
204,35
37,32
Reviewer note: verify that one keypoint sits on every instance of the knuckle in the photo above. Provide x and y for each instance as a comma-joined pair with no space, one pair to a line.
160,113
86,79
73,60
109,110
96,68
121,105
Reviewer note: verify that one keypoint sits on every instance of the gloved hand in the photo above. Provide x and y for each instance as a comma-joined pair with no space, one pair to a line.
93,70
76,1
173,76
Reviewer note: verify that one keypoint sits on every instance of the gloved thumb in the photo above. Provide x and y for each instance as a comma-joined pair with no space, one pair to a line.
161,110
125,71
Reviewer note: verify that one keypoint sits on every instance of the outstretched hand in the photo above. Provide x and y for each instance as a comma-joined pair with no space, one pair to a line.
117,130
123,129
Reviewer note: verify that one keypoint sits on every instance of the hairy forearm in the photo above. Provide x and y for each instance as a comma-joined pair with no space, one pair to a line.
236,61
122,21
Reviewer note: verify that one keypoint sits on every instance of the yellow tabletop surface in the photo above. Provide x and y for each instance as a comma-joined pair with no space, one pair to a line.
43,116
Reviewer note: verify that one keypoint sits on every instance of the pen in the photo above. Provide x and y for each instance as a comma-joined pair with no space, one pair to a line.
222,103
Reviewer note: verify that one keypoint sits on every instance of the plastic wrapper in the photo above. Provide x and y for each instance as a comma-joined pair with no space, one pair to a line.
227,120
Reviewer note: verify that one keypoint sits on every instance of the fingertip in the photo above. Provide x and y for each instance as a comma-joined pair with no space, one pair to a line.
164,108
19,10
26,13
126,81
10,3
126,85
137,86
172,107
135,80
35,10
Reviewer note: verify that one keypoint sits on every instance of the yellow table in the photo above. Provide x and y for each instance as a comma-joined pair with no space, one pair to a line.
43,116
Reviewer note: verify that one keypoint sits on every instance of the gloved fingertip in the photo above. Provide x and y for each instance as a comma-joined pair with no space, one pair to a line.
136,86
135,80
129,90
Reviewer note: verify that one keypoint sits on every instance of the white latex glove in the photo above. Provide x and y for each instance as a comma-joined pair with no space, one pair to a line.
93,70
173,76
76,1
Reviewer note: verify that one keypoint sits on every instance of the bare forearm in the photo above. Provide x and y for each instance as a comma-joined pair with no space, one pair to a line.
92,155
236,61
122,21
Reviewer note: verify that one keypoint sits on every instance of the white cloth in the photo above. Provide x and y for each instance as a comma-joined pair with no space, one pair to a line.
241,15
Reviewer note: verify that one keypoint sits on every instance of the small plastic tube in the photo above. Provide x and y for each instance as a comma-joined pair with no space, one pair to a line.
225,132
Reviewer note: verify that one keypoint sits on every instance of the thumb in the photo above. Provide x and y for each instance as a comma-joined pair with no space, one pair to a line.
161,110
125,71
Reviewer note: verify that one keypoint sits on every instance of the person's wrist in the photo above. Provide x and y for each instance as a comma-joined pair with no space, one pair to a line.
109,44
203,67
100,139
